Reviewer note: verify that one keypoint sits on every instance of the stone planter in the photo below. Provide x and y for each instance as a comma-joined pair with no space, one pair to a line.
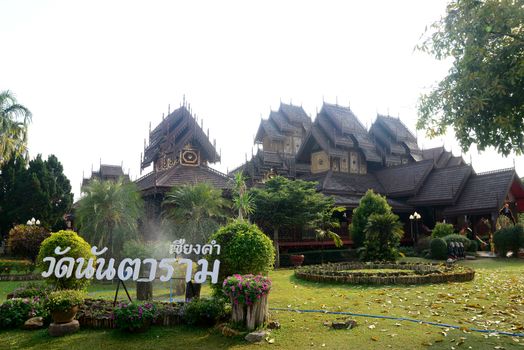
297,260
520,254
253,315
64,316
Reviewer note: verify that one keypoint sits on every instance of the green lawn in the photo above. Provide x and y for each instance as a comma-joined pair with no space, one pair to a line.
494,300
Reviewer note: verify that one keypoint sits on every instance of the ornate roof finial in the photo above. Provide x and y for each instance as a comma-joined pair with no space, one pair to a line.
184,100
208,133
168,109
336,100
163,116
150,127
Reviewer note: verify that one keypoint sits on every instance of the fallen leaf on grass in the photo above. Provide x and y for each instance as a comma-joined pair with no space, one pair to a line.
374,338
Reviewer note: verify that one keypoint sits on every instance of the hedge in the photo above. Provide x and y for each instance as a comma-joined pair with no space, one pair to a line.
422,273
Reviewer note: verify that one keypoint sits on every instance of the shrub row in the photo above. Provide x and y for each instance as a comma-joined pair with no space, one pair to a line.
12,265
313,257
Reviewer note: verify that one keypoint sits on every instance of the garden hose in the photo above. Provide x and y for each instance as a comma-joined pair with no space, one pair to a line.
437,324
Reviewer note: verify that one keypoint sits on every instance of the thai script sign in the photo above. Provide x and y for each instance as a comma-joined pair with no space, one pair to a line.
129,269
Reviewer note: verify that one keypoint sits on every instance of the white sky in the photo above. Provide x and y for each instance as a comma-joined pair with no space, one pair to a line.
95,73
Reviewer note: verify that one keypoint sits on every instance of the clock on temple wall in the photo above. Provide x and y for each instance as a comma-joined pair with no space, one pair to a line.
190,157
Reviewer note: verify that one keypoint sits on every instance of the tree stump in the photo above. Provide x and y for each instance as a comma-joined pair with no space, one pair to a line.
253,315
144,290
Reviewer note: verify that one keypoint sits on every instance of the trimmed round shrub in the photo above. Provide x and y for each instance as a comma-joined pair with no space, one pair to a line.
509,239
79,249
458,238
422,245
473,246
25,240
14,312
204,312
245,249
442,230
439,249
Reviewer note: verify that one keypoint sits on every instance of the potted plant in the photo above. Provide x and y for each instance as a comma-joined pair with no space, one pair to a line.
249,299
63,304
297,260
134,317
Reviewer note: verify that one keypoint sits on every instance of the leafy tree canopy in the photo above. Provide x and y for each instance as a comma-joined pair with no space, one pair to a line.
289,203
39,189
482,97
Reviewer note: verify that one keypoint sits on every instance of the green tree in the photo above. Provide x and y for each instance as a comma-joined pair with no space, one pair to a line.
286,203
14,119
370,203
482,97
109,212
197,210
39,190
383,234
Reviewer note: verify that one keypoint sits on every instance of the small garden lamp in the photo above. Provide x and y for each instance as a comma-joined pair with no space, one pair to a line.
415,216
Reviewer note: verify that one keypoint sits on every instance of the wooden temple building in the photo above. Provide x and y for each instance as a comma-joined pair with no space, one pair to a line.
343,157
346,160
180,153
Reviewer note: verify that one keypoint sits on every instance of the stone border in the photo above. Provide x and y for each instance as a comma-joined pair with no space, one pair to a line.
423,273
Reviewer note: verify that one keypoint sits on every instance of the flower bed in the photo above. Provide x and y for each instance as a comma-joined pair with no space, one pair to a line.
98,313
404,273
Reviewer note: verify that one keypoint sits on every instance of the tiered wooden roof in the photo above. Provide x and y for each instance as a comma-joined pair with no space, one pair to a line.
442,158
163,181
177,133
394,140
105,173
289,119
335,130
486,192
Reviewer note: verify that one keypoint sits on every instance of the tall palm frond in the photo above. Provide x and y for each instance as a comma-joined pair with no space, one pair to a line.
109,212
243,200
196,210
14,119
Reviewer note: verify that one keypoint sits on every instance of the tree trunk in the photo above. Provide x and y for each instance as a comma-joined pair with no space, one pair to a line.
144,290
277,250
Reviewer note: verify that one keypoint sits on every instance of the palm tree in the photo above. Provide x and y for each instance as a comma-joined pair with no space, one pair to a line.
14,119
383,234
197,210
243,200
109,212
